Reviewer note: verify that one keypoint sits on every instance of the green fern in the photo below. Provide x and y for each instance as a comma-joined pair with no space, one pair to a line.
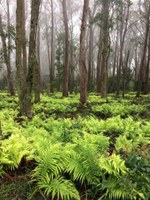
59,187
48,174
13,150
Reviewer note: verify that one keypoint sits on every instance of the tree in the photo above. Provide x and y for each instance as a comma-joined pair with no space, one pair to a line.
124,9
37,84
90,53
105,47
21,60
33,68
6,53
143,69
52,50
82,63
66,56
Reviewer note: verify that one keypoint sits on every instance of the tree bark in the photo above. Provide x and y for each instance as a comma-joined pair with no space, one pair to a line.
90,54
52,50
66,56
33,65
21,60
123,31
82,63
105,47
99,59
37,75
6,55
146,88
142,64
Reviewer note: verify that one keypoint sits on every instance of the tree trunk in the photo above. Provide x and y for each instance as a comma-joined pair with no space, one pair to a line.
147,32
37,83
6,53
52,50
105,47
21,60
115,61
99,59
82,64
147,69
90,54
33,66
124,74
66,56
123,31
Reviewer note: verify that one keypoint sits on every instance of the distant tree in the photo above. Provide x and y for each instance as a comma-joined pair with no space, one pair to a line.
6,52
37,81
66,55
82,62
123,16
90,52
143,68
105,47
52,50
59,60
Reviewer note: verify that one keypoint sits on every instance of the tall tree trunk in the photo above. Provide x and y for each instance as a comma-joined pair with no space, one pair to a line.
145,90
6,53
99,59
123,31
115,61
21,57
71,77
124,74
66,57
52,50
48,54
37,75
142,64
32,60
72,52
105,47
90,54
82,63
11,87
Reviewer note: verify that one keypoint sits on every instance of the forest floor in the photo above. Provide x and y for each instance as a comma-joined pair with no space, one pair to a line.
63,121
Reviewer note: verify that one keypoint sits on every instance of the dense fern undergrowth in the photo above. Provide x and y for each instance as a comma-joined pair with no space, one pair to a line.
67,152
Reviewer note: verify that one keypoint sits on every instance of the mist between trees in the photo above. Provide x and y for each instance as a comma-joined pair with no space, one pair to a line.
74,46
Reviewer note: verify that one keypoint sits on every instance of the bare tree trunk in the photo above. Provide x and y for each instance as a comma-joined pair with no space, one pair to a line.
136,65
115,61
66,57
123,31
105,47
72,52
145,90
71,76
82,64
48,53
6,52
90,54
147,32
21,57
52,50
124,74
33,63
37,75
99,56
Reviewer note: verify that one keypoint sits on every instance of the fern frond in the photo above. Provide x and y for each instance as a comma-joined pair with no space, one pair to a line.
60,188
113,164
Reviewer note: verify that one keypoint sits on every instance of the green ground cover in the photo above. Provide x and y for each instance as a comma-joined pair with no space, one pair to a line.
101,151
